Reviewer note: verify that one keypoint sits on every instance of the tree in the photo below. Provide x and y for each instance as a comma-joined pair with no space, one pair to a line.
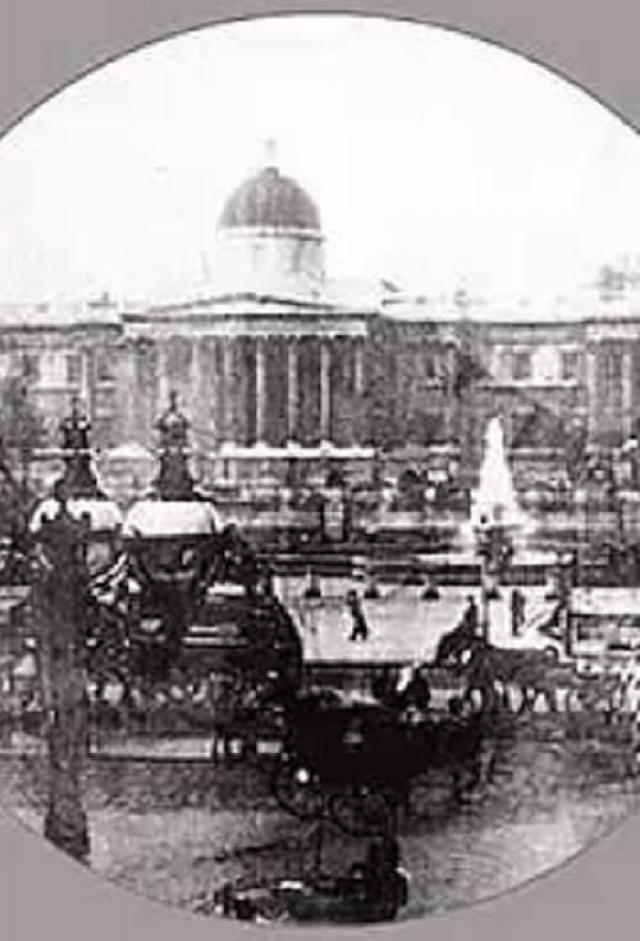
21,433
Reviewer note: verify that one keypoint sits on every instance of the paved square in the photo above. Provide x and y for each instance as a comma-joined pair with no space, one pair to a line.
403,627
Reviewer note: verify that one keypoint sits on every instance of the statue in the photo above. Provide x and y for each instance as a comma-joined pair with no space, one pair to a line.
173,426
75,428
174,481
78,476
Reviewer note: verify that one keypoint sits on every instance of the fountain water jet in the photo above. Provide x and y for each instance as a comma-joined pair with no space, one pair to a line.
495,502
495,498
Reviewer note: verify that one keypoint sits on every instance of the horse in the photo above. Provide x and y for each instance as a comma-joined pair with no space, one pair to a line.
454,644
531,672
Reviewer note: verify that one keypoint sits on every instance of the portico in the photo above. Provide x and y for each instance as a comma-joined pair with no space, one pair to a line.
278,386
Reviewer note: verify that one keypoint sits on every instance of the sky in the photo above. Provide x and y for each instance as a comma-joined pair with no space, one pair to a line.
436,161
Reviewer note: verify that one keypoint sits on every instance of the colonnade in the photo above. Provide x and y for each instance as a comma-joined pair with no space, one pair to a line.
232,387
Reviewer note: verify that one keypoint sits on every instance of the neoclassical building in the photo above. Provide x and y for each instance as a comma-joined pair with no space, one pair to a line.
284,372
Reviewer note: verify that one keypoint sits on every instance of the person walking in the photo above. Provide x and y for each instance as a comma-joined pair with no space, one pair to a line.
471,616
313,591
431,591
518,604
359,628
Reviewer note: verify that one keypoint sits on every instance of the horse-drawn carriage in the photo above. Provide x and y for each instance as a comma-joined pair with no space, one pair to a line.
360,762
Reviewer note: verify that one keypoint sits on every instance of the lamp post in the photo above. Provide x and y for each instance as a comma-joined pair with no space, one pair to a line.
172,537
60,604
71,531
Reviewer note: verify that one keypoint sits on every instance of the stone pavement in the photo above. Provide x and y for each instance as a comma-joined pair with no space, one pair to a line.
403,627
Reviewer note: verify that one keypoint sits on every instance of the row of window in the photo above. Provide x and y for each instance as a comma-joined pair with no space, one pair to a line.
522,365
610,365
65,369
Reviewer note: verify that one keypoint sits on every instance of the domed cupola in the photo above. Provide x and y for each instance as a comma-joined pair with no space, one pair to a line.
174,508
270,201
269,236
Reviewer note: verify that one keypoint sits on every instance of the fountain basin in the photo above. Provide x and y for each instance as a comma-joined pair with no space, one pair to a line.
529,567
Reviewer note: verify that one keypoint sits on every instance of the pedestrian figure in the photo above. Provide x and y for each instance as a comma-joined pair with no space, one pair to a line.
471,616
267,582
518,605
372,591
431,591
313,589
360,628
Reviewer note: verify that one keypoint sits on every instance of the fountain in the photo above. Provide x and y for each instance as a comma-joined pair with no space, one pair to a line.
495,502
497,532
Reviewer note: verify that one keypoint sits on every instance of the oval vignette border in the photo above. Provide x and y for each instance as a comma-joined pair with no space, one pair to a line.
45,45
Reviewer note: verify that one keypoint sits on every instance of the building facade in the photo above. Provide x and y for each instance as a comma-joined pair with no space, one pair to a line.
285,373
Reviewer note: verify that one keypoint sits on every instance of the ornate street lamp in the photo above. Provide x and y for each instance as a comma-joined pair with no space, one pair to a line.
74,531
79,490
60,609
178,550
172,537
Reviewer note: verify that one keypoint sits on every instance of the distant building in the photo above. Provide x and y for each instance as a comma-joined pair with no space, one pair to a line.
286,373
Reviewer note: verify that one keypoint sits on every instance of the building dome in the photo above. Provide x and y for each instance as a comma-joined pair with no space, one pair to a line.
272,201
269,240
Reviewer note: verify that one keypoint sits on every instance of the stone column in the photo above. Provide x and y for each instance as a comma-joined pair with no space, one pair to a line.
87,380
591,382
261,390
325,391
199,433
128,395
627,392
450,381
227,424
198,395
292,388
163,385
358,391
358,367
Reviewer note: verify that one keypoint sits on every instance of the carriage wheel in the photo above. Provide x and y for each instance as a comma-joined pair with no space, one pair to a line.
430,794
297,793
362,811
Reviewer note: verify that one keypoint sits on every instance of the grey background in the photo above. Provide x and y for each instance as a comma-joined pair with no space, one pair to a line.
42,46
